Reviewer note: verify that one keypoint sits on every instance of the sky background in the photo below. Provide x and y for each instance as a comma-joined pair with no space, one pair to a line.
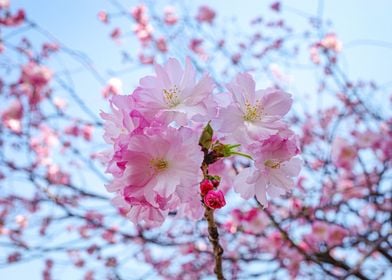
362,25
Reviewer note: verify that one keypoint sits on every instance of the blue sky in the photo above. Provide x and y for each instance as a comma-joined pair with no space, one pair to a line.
362,25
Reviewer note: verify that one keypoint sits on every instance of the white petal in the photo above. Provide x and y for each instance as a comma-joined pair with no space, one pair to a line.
242,186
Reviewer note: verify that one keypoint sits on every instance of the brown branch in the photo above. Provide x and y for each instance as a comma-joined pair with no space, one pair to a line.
213,236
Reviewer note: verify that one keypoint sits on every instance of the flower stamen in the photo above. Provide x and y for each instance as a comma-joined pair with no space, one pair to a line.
171,96
159,164
252,112
274,164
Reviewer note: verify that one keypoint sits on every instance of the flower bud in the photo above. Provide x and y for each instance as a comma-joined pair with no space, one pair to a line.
214,199
215,182
206,186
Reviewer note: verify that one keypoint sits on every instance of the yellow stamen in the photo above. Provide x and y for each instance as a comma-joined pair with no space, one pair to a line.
171,96
274,164
159,164
252,112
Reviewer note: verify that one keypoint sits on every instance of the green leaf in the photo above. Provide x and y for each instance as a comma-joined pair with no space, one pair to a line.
227,150
241,154
205,140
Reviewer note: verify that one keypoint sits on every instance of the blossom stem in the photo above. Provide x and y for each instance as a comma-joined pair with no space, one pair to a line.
213,236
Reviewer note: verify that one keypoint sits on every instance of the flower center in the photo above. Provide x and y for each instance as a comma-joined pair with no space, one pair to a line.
159,164
274,164
252,112
171,96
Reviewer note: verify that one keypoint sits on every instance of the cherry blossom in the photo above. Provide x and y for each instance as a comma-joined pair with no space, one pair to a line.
205,14
12,116
343,153
170,16
215,199
174,94
273,170
253,115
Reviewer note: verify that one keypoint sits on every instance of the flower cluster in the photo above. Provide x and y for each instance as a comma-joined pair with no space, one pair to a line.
212,198
160,155
330,44
9,19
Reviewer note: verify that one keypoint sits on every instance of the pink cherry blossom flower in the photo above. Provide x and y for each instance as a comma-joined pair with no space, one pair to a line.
205,14
56,176
113,87
43,144
196,46
235,58
330,41
252,221
252,115
349,190
174,94
276,6
215,199
170,16
4,4
36,75
22,221
146,59
116,34
190,205
157,171
137,209
336,234
139,13
164,161
87,132
59,102
103,17
367,139
49,48
13,19
279,75
144,32
161,45
320,230
314,55
72,130
119,121
34,79
273,170
343,153
205,186
14,257
279,147
12,116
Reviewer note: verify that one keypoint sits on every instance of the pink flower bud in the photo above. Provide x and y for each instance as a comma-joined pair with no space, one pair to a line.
215,182
206,186
215,199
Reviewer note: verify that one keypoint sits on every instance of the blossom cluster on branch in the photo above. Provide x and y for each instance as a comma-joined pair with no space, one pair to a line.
159,145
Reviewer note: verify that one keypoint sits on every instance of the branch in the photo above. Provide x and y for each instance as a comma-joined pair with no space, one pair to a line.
213,236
